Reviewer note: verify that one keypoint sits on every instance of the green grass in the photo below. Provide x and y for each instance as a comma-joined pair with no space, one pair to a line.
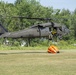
23,48
37,62
3,47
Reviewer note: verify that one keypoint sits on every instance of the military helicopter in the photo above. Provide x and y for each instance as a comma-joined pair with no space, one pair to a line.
48,30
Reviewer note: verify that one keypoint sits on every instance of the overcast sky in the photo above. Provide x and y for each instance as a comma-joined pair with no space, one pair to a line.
56,4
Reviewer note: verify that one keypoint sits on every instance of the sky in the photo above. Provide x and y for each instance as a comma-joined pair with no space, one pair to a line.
56,4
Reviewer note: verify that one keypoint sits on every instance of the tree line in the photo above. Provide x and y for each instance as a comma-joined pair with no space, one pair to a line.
33,8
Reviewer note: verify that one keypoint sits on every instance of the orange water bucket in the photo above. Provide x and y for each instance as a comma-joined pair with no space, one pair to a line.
53,49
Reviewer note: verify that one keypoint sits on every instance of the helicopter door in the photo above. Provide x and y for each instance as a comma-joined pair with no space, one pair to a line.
44,31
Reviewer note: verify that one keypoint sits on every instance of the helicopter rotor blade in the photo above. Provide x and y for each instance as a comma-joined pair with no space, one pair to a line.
23,17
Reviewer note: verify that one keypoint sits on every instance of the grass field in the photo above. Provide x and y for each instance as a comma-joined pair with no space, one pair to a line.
37,62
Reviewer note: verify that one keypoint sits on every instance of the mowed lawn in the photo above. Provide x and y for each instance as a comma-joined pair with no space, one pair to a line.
37,62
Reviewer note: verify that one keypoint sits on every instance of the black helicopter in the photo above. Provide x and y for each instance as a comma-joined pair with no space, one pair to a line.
48,30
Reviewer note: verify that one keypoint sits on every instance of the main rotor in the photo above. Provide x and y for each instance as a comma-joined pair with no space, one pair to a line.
23,17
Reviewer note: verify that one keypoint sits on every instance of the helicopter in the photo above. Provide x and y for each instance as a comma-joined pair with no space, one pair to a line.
48,30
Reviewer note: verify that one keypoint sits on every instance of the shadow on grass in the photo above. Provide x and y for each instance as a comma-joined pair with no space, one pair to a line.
21,52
